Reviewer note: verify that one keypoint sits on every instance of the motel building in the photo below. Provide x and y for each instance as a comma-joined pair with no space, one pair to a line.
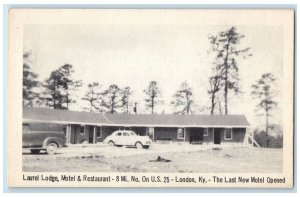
92,128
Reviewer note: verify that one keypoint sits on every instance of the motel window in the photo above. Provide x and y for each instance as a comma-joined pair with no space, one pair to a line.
205,132
82,129
228,134
180,133
99,132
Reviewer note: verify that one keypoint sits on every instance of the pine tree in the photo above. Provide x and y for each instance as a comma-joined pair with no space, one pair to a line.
182,99
112,99
214,88
93,97
126,92
153,95
263,90
225,46
30,83
60,88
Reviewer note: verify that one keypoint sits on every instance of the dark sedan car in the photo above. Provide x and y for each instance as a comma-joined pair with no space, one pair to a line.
43,136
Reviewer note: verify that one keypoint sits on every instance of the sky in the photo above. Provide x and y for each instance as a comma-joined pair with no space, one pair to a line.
134,55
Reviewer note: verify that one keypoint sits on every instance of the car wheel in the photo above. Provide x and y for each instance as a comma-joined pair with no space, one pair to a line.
111,143
51,148
35,151
139,145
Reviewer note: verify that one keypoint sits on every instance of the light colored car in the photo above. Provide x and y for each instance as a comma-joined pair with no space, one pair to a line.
128,138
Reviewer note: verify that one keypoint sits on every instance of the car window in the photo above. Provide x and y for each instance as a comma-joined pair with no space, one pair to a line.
125,134
119,134
132,133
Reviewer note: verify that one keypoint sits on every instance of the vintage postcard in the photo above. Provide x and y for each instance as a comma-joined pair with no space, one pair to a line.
151,98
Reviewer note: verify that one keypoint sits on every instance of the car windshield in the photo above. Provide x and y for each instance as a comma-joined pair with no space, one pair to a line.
132,133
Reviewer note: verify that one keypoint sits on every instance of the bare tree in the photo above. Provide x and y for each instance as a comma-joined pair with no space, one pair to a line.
225,46
182,99
152,96
263,90
93,97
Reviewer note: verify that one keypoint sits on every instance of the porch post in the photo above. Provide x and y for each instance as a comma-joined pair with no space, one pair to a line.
94,135
68,134
153,133
213,134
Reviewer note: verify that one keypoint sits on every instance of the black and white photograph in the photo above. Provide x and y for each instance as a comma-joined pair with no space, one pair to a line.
115,95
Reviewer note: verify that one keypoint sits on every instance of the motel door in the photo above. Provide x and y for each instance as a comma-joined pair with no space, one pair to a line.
217,136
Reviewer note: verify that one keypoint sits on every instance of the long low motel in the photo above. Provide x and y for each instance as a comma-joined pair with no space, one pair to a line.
90,127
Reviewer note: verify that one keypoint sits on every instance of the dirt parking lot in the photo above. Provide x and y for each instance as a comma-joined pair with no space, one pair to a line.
183,158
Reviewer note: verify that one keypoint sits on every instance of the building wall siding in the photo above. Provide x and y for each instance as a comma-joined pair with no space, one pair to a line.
160,134
140,130
166,134
206,139
238,135
106,131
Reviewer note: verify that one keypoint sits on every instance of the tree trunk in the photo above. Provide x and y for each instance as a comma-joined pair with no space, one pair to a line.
91,103
212,103
225,94
67,101
267,128
187,103
152,105
112,105
226,80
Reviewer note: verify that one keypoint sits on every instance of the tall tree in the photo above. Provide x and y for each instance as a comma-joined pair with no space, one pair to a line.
263,90
126,92
60,87
182,99
112,98
70,85
30,82
93,97
53,94
214,87
152,95
225,46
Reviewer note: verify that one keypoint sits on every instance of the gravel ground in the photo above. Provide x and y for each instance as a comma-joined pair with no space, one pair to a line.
183,158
